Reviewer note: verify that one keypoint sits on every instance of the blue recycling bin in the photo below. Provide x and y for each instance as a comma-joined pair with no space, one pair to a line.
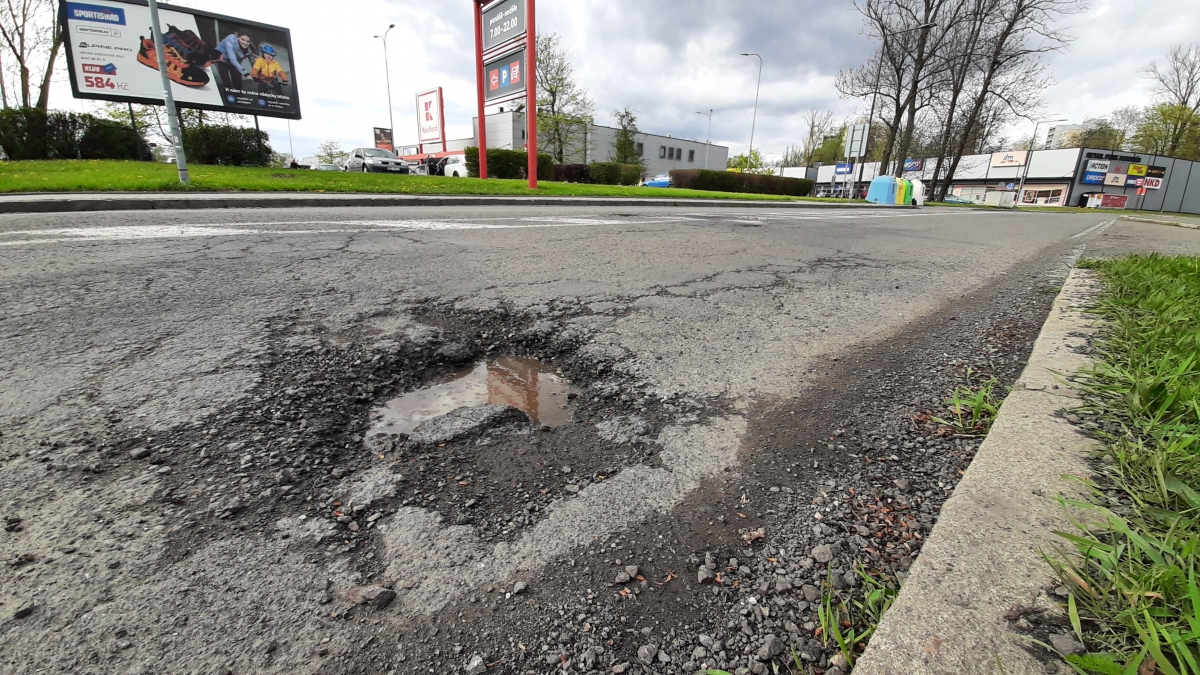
883,190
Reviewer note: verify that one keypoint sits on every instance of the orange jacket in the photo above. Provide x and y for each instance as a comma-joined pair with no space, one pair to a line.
267,71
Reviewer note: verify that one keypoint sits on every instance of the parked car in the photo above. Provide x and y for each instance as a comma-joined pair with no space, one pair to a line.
662,180
368,160
956,199
325,167
456,167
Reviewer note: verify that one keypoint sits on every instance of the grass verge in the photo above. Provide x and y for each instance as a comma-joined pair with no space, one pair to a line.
1130,563
117,176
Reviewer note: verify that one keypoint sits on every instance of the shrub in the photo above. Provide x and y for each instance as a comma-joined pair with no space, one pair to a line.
631,174
105,139
511,164
613,173
728,181
572,173
31,133
225,144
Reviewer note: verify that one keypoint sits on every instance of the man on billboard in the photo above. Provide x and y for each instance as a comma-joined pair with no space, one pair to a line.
268,73
239,57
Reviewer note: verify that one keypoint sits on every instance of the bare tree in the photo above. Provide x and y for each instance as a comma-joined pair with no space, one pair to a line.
820,124
564,108
32,39
1178,81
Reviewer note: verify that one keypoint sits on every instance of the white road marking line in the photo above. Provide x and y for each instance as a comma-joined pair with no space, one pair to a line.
1098,228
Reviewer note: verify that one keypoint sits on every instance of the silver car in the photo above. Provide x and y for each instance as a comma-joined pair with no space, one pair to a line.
369,160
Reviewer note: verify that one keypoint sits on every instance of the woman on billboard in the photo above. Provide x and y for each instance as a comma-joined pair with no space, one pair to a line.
239,53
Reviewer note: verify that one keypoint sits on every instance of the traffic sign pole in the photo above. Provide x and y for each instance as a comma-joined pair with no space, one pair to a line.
531,90
479,82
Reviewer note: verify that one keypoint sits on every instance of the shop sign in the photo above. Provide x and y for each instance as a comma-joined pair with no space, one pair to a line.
1010,158
1115,179
914,164
1093,178
1113,201
1156,172
1153,183
1097,166
1132,181
843,169
503,22
1137,169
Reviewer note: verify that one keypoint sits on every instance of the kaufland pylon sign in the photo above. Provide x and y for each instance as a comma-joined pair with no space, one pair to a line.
431,118
506,43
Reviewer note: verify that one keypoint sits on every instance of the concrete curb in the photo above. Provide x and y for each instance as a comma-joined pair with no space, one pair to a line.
982,557
78,202
1139,219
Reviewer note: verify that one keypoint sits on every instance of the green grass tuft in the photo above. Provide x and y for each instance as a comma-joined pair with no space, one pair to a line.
1131,563
118,176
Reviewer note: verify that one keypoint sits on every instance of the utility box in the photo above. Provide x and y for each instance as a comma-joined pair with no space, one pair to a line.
1004,200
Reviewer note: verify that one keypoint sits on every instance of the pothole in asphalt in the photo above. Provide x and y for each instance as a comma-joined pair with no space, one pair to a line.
523,383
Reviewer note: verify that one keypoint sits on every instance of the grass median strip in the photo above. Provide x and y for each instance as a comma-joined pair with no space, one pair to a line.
1130,565
118,176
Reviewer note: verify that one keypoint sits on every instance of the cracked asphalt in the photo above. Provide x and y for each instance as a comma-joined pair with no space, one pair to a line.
211,550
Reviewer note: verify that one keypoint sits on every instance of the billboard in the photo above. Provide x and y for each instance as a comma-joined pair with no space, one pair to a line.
503,22
914,165
504,77
214,62
383,139
431,116
1010,158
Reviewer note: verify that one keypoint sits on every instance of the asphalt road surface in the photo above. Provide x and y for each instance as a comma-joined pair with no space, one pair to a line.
191,482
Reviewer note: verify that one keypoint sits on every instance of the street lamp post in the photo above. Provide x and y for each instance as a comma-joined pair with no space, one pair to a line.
1029,160
754,120
878,76
708,138
388,76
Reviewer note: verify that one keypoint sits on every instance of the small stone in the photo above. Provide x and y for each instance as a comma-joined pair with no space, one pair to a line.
632,571
622,578
811,593
620,668
24,609
822,554
699,653
519,587
772,647
664,657
572,489
705,576
838,661
782,586
1066,645
901,483
476,666
647,653
566,469
139,453
377,597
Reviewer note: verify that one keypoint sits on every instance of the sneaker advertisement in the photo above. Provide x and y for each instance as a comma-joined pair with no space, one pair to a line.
214,62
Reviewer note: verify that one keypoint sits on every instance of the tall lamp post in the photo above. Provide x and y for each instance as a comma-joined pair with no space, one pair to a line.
878,76
754,120
387,74
708,138
1029,159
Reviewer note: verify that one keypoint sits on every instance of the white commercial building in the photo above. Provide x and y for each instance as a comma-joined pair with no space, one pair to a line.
595,143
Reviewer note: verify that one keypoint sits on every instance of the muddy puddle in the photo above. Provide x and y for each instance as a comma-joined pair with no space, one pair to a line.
525,384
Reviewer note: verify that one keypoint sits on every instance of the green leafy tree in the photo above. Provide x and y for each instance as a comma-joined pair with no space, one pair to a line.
625,142
564,108
832,149
738,163
1170,130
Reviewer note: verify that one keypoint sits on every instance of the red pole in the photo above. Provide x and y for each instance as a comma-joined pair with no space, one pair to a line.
531,94
479,81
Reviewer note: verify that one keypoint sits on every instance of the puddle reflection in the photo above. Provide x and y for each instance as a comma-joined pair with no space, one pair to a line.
526,384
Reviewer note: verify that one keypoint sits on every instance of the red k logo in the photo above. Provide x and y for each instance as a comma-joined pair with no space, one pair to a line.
428,114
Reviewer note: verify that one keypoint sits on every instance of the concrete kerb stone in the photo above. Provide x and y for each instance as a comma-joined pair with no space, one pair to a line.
984,555
79,202
1173,223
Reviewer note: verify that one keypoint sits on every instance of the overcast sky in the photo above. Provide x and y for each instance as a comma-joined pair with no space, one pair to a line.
665,59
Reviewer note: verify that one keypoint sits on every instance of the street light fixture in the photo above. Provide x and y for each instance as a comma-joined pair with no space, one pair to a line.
708,139
387,74
878,76
754,120
1029,159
